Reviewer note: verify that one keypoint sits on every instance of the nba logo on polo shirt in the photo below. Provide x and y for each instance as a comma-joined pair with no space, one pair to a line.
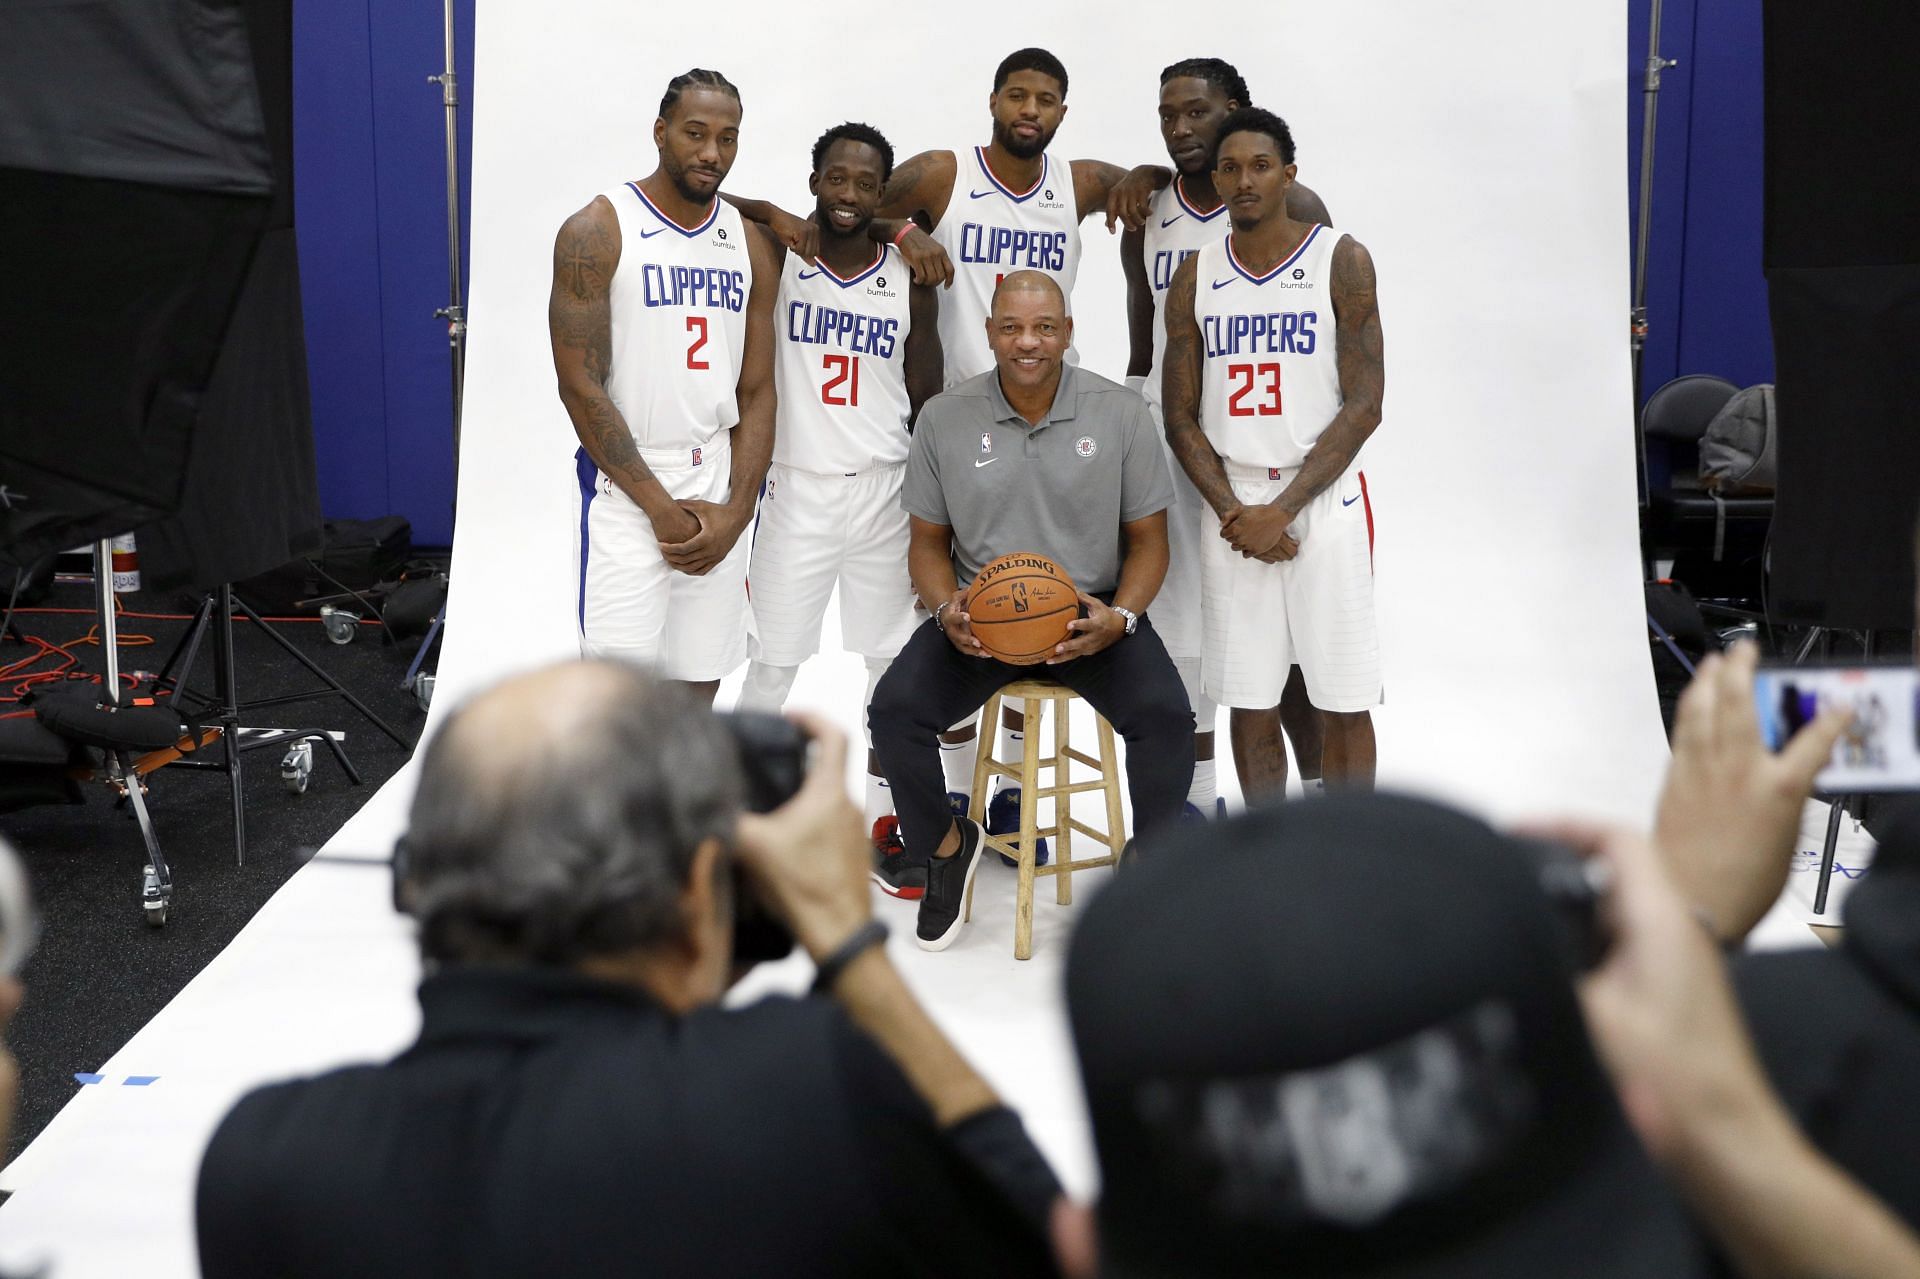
696,457
1085,446
986,441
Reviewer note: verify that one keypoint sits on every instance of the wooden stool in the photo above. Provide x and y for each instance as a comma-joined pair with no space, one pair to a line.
1035,693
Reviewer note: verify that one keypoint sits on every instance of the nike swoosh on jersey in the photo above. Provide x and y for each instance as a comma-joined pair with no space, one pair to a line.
808,275
989,462
1170,221
981,195
1221,284
648,235
1349,501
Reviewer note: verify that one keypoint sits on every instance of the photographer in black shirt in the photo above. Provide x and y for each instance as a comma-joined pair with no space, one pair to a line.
578,1102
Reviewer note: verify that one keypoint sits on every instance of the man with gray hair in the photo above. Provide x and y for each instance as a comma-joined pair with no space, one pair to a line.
1039,456
577,1101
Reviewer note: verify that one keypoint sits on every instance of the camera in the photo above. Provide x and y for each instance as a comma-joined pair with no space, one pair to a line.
773,763
1574,885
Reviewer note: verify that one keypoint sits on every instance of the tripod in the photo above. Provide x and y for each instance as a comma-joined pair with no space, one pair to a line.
224,707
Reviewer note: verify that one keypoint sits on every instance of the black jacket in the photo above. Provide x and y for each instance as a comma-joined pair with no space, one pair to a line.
1839,1030
548,1124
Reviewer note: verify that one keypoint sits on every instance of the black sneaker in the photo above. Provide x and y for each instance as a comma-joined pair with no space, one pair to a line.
947,881
892,870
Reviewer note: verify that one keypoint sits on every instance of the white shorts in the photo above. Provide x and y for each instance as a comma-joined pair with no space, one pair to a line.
633,606
1314,610
814,531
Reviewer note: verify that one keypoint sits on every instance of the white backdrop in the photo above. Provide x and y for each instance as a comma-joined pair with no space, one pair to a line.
1477,147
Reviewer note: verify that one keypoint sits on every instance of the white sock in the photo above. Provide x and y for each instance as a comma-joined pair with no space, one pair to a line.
879,799
767,687
956,761
1204,789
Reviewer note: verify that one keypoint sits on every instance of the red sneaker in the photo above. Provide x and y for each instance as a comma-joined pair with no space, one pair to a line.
896,875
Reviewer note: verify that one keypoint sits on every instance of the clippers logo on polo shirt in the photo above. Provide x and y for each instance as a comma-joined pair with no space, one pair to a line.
1085,446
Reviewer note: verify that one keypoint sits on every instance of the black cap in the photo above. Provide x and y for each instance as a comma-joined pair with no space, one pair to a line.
1341,1038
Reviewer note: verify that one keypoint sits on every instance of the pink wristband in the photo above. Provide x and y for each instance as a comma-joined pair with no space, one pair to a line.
901,234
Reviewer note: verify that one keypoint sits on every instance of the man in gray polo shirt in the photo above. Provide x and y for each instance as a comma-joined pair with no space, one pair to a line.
1035,455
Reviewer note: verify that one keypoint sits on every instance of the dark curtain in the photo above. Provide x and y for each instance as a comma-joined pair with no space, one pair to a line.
251,499
1843,272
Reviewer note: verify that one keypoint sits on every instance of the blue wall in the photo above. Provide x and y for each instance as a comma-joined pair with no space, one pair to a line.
1706,295
368,146
371,187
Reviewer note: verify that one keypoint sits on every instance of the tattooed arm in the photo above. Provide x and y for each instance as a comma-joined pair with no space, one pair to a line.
1180,396
918,193
920,188
580,324
1363,377
1124,195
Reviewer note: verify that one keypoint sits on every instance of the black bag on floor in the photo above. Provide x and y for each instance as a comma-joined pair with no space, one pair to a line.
356,555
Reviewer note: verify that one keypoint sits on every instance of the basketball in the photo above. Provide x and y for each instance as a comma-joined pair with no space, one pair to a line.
1020,606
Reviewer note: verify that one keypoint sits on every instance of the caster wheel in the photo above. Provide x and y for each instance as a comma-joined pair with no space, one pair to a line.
342,624
153,898
296,767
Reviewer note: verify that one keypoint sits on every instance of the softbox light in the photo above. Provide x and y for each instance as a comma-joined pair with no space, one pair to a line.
138,172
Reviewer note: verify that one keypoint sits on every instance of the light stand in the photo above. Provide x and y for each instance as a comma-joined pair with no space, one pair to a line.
121,773
453,313
1650,113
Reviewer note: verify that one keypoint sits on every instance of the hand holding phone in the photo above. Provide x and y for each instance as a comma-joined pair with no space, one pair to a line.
1879,743
1730,808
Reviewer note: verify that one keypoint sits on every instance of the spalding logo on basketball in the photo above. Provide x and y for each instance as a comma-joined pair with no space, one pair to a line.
1020,606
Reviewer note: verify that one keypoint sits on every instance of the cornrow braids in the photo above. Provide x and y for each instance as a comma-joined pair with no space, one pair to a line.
698,78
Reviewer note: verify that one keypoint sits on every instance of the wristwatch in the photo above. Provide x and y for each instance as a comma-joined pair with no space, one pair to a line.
1132,618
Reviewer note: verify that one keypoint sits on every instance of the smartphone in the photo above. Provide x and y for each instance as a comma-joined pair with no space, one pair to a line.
1880,749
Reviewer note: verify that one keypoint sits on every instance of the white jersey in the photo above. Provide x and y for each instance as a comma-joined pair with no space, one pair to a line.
990,230
840,374
1175,232
679,307
1271,381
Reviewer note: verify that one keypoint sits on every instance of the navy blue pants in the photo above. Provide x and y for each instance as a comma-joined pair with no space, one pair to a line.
932,686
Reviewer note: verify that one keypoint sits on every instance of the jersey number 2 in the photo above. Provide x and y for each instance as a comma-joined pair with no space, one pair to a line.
848,376
696,325
1267,376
